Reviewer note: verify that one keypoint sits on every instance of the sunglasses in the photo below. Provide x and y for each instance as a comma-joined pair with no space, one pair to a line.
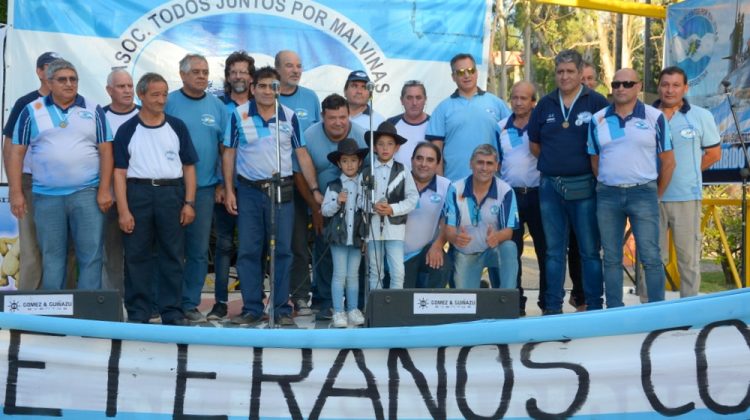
626,84
62,80
464,72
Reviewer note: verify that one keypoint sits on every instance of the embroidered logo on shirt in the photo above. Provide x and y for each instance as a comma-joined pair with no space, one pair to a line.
583,118
687,133
495,209
301,113
551,118
642,125
86,115
208,119
434,198
171,155
285,128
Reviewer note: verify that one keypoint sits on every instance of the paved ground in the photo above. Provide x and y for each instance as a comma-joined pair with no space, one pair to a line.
530,277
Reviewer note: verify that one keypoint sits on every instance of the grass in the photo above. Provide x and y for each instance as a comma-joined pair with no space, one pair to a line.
714,281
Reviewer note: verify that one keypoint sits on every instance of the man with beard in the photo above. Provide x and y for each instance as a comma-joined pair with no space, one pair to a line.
239,68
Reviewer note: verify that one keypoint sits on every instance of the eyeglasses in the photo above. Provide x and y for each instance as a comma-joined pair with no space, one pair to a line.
239,73
410,83
62,80
626,84
464,72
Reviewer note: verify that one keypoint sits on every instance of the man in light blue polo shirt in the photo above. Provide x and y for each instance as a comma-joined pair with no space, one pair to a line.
323,138
425,262
206,119
464,120
305,103
632,158
481,214
697,146
71,161
251,153
558,129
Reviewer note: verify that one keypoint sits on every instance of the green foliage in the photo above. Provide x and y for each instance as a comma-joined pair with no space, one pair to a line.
731,220
3,11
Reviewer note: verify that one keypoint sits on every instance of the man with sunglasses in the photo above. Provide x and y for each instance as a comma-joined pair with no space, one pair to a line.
558,130
464,120
697,146
631,155
71,158
412,124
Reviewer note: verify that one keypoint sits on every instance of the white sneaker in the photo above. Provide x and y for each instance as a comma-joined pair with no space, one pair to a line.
356,317
339,320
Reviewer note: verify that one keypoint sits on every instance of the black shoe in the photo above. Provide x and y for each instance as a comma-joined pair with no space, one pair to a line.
245,319
180,322
218,312
194,315
285,321
552,312
324,315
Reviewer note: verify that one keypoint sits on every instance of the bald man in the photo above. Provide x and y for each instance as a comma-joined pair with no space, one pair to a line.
518,169
631,154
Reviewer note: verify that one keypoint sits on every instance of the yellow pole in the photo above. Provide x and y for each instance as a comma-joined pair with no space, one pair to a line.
615,6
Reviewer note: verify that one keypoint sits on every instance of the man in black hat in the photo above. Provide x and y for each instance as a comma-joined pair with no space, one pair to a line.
357,90
30,270
395,196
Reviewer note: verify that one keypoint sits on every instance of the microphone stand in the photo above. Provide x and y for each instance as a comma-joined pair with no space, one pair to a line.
744,175
369,191
275,196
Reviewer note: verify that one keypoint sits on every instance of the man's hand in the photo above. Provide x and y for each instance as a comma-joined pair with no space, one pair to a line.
219,194
18,204
383,209
187,215
434,257
230,202
318,197
127,222
463,238
492,237
104,199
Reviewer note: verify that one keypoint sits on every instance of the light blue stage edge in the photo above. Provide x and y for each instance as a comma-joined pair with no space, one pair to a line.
692,312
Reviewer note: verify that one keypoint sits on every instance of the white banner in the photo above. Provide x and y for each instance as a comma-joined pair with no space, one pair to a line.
694,363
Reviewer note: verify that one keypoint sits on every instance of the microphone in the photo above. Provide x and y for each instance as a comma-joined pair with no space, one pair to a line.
726,84
276,85
370,86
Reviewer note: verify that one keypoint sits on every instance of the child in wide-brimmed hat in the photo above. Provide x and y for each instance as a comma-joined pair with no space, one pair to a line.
342,209
395,196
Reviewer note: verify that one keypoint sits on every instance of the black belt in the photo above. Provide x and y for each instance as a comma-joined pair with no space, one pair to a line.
261,184
524,190
157,182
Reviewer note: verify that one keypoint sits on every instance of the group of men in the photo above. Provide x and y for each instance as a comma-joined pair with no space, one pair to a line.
135,189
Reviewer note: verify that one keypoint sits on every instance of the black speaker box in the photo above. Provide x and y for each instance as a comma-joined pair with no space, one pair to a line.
408,307
100,305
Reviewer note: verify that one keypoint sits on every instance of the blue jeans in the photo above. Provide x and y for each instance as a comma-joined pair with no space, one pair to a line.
254,230
322,273
641,205
557,216
419,274
391,251
154,253
197,236
78,212
529,214
345,275
224,225
469,266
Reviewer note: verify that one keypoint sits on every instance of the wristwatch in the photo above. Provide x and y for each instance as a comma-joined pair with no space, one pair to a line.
189,203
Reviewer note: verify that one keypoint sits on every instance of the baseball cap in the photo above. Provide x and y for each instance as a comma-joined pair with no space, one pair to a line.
357,75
